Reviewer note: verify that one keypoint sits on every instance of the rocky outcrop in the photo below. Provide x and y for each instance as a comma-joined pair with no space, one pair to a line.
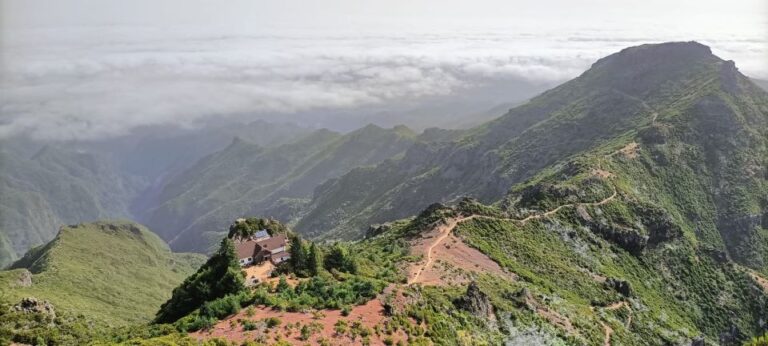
627,238
649,226
658,223
621,286
377,229
33,305
476,302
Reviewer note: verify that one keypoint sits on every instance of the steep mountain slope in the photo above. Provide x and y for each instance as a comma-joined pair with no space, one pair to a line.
247,179
613,98
55,186
154,152
653,235
761,83
112,272
46,184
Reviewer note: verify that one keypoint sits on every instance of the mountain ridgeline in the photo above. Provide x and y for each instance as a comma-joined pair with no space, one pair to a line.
678,98
56,186
248,179
628,206
115,273
48,184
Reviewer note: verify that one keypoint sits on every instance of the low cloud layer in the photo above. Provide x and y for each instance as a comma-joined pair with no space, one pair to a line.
94,82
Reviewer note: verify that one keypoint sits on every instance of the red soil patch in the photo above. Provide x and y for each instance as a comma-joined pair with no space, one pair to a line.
426,244
447,259
369,315
455,262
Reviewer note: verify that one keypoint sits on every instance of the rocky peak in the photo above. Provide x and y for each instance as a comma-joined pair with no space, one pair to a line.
656,54
640,70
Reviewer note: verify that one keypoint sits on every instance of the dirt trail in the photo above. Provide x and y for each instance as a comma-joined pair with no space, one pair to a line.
553,211
445,229
608,331
619,305
629,151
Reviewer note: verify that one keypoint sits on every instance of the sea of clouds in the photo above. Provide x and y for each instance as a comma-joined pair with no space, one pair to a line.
96,82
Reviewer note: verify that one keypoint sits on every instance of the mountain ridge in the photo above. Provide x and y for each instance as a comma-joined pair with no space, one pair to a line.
244,179
488,160
115,272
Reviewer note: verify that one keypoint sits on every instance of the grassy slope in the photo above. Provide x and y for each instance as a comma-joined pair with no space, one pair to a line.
695,193
56,186
115,272
685,286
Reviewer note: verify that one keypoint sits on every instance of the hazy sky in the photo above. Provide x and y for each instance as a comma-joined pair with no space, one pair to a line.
94,68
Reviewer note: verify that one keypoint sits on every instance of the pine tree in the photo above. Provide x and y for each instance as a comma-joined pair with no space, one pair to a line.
282,285
218,277
340,259
298,254
314,260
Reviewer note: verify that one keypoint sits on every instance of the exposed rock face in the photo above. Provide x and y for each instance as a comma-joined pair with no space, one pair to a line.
658,223
620,286
652,227
374,230
629,239
476,302
32,305
718,255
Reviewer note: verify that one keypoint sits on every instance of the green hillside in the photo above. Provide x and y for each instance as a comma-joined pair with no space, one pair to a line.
248,179
610,102
58,185
112,272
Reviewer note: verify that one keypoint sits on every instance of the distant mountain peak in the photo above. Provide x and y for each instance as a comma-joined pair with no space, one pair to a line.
642,70
238,142
658,53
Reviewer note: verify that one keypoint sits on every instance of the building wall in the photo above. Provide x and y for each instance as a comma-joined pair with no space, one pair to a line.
245,261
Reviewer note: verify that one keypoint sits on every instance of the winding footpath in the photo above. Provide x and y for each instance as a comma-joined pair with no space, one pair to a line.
608,331
446,228
445,231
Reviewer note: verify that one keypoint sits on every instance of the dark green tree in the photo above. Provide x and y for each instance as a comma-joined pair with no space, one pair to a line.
314,260
339,258
282,285
218,277
298,254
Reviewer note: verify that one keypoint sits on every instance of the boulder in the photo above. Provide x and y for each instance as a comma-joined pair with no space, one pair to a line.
33,305
476,302
621,286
